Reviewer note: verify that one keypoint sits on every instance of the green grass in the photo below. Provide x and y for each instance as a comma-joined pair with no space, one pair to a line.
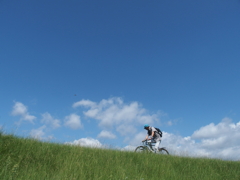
23,158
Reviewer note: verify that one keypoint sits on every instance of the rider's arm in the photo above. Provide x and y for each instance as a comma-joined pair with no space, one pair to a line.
153,133
145,138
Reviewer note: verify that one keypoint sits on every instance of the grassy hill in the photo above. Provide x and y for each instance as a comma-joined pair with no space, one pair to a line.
23,158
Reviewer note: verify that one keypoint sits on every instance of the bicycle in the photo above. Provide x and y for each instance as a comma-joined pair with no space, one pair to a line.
148,146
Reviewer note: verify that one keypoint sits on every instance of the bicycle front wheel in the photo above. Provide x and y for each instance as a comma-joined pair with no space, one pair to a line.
141,149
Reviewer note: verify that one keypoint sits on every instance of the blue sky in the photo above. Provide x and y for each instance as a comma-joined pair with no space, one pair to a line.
95,71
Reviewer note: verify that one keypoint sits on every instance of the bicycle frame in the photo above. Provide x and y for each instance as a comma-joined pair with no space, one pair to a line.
150,145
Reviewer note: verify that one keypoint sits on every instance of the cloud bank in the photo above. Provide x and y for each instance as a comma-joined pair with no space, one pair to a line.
121,121
212,141
224,146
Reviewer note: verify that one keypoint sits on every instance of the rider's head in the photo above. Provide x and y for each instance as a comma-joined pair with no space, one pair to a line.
146,126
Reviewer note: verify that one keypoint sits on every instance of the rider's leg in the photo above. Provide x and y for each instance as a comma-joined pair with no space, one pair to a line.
157,145
152,141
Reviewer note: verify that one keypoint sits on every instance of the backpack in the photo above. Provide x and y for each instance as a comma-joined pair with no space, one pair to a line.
159,131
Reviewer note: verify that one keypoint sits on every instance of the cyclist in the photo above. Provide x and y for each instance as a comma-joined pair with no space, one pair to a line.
152,135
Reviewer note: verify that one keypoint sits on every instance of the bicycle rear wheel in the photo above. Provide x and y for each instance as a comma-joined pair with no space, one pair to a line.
141,149
163,151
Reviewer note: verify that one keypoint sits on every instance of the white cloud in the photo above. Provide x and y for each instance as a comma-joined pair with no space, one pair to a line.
106,134
20,109
73,121
38,133
215,141
214,131
83,102
89,142
114,113
126,129
49,120
225,134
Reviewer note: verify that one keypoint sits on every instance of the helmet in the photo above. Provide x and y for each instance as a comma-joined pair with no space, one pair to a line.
145,126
